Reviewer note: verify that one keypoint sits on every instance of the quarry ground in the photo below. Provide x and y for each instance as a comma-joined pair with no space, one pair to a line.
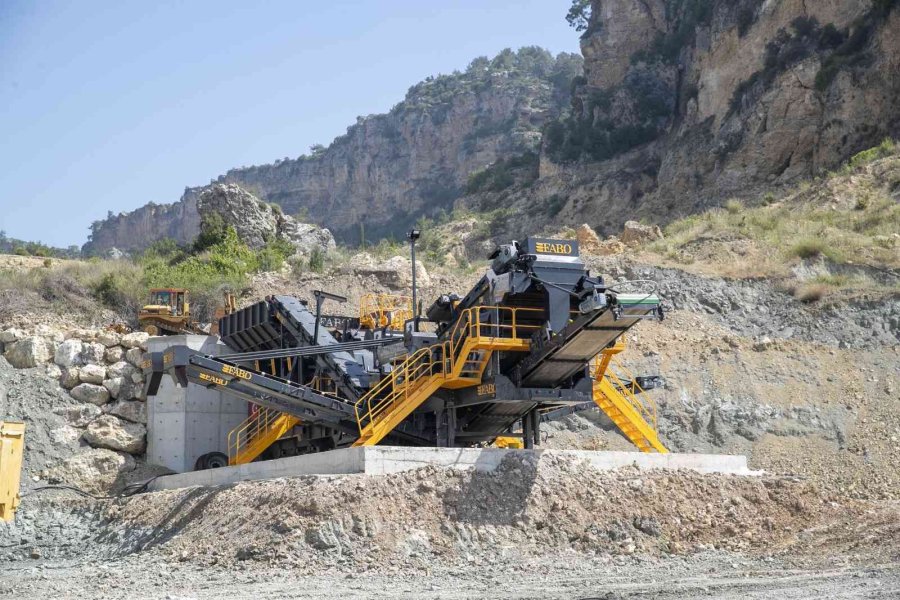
706,575
808,391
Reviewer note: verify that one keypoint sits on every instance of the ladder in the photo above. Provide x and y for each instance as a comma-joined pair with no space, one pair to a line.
458,362
621,404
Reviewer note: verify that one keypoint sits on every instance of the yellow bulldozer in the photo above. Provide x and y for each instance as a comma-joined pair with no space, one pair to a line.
168,313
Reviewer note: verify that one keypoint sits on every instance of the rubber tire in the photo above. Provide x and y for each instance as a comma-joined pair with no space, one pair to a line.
216,460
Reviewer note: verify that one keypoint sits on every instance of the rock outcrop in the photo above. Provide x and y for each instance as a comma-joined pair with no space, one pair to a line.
388,169
684,105
257,222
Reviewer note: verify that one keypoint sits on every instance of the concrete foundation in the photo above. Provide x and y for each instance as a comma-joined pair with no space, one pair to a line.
185,423
381,460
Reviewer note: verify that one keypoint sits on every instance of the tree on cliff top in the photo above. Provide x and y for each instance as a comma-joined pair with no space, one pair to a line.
579,15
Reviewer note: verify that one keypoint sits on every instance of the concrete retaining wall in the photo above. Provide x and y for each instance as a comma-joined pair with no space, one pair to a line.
381,460
185,423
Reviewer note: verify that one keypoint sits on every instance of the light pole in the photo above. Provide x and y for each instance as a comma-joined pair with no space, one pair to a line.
412,235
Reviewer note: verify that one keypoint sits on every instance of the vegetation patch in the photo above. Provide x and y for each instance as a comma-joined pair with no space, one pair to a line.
504,173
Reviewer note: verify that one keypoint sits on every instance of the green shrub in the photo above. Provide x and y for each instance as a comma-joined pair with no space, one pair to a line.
884,149
21,251
317,260
809,248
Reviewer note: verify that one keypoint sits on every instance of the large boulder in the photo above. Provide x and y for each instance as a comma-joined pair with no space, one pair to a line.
80,415
114,386
257,223
92,374
109,338
96,470
11,335
134,356
109,431
588,240
121,369
136,339
89,392
28,352
92,353
68,353
114,354
69,377
130,410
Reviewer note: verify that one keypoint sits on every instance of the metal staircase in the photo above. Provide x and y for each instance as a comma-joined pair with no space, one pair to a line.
259,431
458,362
620,402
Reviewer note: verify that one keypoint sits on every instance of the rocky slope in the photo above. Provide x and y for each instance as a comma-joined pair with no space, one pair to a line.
388,169
684,104
680,105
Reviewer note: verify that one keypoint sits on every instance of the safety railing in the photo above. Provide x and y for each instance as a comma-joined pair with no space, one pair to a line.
384,310
477,332
252,428
632,392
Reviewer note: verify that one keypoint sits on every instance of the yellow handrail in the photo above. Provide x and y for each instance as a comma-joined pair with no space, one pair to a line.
384,310
485,326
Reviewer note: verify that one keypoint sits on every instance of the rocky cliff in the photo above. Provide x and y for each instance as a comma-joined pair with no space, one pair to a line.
389,169
680,105
255,221
686,103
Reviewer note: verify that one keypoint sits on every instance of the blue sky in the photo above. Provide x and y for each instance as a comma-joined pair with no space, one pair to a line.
108,105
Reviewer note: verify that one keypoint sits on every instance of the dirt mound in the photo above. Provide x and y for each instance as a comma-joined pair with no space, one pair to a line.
522,508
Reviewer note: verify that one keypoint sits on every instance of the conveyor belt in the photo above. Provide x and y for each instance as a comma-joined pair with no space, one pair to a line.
569,351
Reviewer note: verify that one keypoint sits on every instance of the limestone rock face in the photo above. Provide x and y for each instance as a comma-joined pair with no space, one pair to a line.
257,222
28,352
388,169
89,392
94,471
109,431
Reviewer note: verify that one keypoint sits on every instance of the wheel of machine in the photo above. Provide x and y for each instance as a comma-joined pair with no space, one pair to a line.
152,329
211,460
216,460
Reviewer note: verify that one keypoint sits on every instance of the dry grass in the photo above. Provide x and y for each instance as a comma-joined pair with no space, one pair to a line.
849,218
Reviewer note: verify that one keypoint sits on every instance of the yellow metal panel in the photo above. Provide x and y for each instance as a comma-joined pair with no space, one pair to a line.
12,445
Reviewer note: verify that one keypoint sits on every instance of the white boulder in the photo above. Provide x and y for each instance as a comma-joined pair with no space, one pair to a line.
68,353
135,340
114,354
134,356
81,414
96,470
109,338
92,374
109,431
92,352
28,352
89,392
113,385
130,410
11,335
69,377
